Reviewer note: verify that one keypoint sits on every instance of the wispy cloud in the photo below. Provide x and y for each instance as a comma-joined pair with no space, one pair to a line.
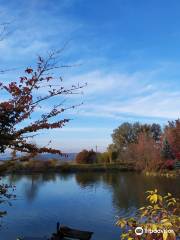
123,95
34,30
158,105
126,81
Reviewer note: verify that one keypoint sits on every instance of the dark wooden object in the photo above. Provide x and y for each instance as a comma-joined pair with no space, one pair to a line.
31,238
66,232
63,232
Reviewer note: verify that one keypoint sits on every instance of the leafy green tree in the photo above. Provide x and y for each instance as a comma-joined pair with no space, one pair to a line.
104,157
112,152
167,152
156,131
127,133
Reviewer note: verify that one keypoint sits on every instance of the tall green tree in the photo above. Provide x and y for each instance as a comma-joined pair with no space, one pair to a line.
167,152
127,133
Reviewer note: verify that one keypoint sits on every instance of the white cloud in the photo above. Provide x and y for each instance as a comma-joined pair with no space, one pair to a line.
117,95
110,93
34,30
123,96
158,105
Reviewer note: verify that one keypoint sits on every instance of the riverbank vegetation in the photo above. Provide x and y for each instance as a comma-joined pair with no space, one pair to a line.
147,147
49,166
158,220
140,147
150,147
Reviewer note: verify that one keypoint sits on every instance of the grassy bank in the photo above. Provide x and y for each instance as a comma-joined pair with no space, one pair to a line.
55,166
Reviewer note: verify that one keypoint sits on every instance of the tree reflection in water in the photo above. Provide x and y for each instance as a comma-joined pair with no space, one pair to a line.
32,183
128,189
88,179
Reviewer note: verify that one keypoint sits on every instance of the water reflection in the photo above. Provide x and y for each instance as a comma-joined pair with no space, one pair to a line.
128,189
32,186
83,200
88,179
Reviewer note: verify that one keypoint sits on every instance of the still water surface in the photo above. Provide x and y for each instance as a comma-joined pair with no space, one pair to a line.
89,201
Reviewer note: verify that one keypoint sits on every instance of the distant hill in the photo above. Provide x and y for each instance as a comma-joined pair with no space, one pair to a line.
46,156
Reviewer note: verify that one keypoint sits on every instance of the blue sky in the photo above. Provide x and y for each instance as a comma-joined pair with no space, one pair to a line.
128,52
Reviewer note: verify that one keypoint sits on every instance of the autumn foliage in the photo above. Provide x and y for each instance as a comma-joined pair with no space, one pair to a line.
172,136
86,157
149,147
159,219
146,153
24,98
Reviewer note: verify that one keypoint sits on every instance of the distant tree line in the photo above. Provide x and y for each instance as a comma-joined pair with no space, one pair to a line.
147,146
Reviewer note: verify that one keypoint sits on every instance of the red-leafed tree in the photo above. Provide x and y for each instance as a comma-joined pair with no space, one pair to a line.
5,189
146,153
172,137
24,98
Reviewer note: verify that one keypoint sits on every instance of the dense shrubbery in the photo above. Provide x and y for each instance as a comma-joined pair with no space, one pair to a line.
89,157
147,145
86,157
104,157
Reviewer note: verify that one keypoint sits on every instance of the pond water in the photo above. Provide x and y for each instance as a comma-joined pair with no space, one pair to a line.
86,201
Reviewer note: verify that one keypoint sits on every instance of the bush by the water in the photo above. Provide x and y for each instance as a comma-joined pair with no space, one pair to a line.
89,157
159,219
86,157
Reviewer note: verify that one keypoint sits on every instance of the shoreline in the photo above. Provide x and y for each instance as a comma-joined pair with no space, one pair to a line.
64,168
39,167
